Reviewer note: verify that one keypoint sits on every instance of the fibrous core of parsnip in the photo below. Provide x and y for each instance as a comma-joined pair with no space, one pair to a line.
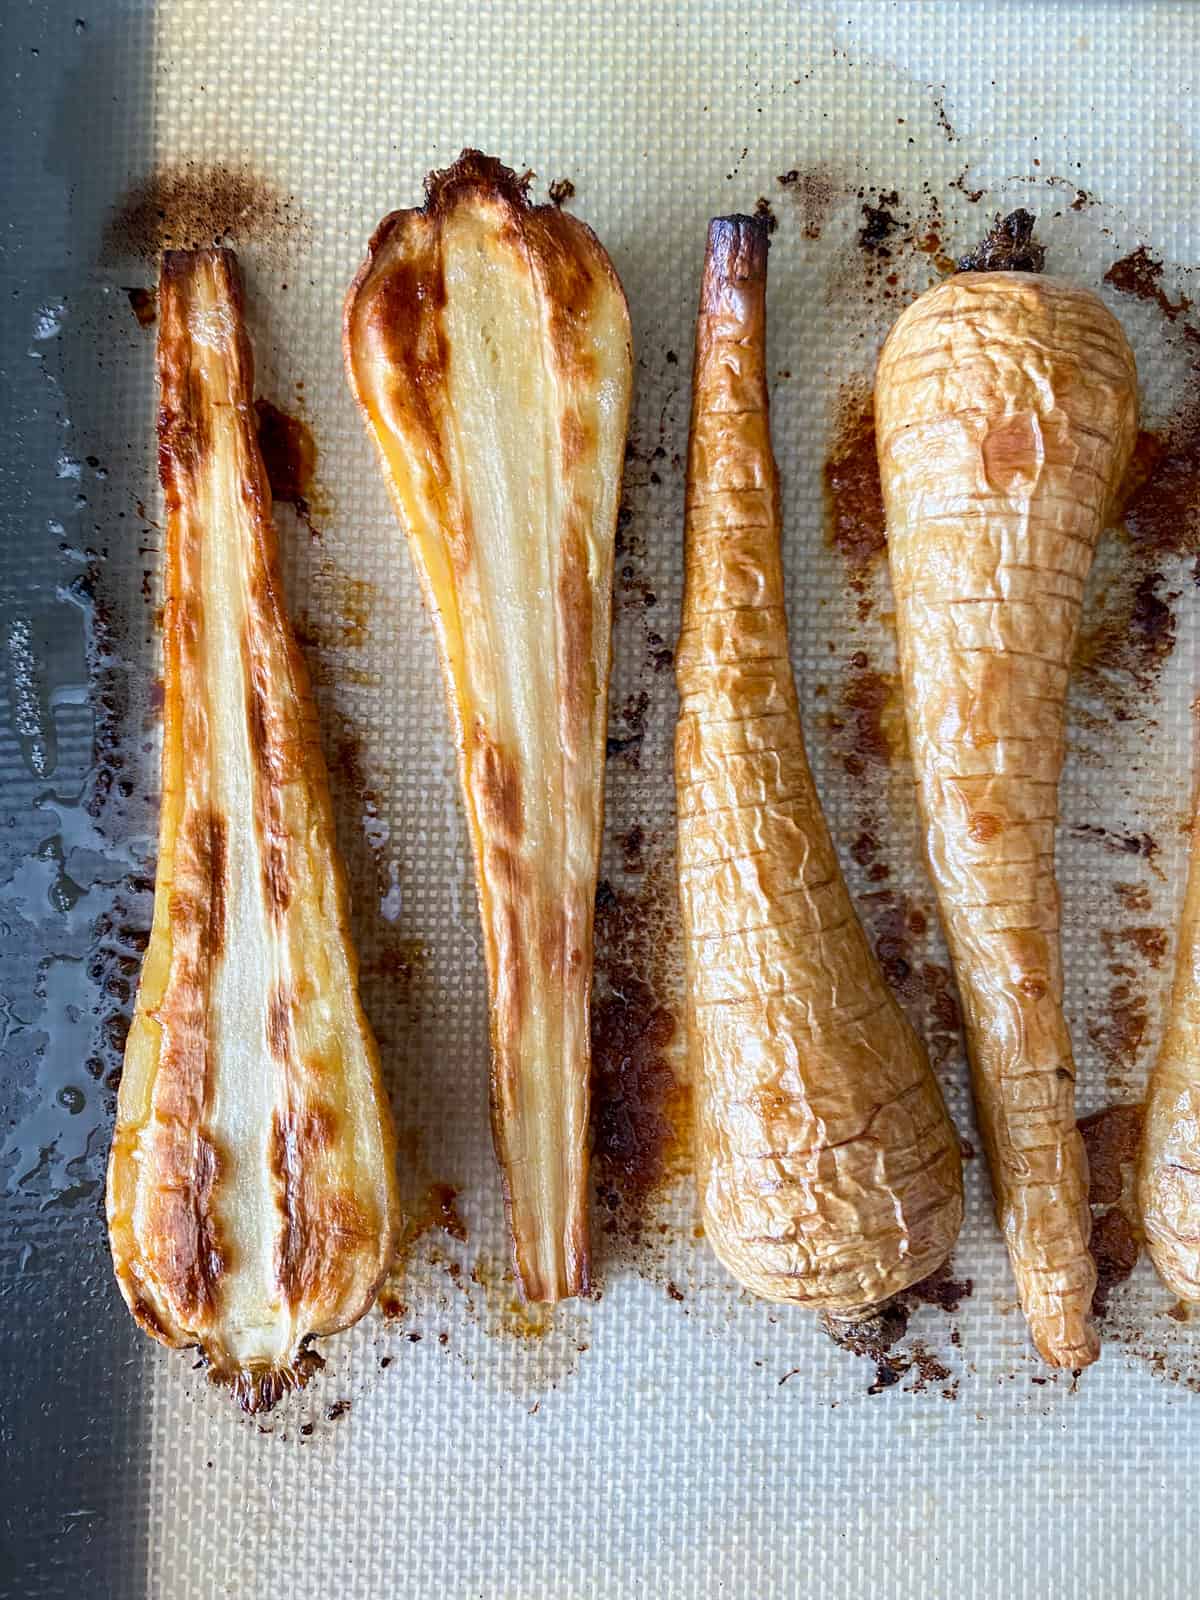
1006,413
251,1187
828,1168
487,341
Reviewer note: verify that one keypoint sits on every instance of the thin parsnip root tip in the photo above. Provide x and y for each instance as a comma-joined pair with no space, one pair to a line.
487,342
1006,413
251,1187
829,1172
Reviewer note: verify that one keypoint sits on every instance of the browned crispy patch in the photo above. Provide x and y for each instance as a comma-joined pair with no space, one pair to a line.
496,782
184,1250
279,1022
318,1226
472,176
575,642
270,773
568,262
814,191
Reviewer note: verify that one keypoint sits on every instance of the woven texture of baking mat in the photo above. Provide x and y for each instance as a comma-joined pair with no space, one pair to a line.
673,1437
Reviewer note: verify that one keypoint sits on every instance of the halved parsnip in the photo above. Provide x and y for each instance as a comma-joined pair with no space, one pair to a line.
251,1188
487,342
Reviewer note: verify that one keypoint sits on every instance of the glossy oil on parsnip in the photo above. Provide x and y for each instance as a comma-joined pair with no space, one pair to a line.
1006,412
828,1168
251,1189
487,342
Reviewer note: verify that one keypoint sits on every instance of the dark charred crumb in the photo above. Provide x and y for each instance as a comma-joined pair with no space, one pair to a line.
307,1428
443,1338
561,190
334,1412
879,224
413,1338
144,305
960,183
194,205
1134,897
764,213
672,359
1008,246
943,121
289,452
385,1362
942,1289
1128,844
640,1110
674,1292
969,1152
1140,275
1179,1312
813,191
628,745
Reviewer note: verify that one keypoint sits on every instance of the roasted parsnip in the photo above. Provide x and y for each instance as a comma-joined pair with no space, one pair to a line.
487,342
1006,411
251,1188
1169,1166
829,1171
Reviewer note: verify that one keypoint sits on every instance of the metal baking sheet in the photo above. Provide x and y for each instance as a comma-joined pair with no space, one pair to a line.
672,1436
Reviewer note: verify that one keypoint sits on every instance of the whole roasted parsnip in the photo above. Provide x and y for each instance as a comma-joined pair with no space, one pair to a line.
1169,1167
1006,412
251,1188
487,342
829,1171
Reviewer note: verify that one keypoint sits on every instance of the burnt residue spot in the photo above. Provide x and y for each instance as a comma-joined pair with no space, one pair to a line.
633,1089
1147,941
1111,1138
1130,638
1115,1247
435,1210
561,190
633,844
336,1411
144,305
193,205
1124,844
899,931
869,723
879,224
853,492
1140,275
1008,246
1162,513
640,1108
1120,1032
813,190
942,1289
289,453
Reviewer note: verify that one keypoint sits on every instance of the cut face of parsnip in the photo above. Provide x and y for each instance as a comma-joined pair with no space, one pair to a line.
828,1169
1169,1170
251,1188
487,342
1006,413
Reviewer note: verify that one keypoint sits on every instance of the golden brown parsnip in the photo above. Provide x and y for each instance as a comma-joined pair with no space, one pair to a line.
1006,412
487,342
1169,1167
828,1169
251,1188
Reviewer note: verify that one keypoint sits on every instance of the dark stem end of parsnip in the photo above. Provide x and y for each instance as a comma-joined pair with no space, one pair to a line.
1008,246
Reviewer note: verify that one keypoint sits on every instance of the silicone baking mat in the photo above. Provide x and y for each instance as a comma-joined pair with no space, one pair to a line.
670,1437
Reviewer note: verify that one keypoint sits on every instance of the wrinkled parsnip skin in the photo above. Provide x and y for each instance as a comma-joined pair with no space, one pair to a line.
829,1171
1006,413
487,342
1169,1169
251,1189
